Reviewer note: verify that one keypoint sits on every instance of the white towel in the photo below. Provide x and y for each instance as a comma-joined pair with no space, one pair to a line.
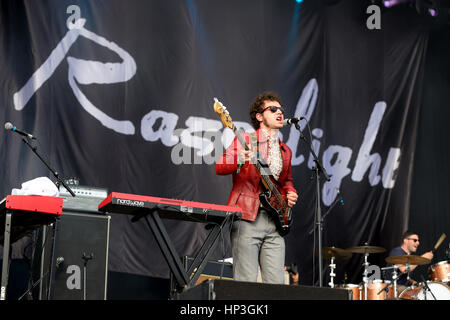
41,186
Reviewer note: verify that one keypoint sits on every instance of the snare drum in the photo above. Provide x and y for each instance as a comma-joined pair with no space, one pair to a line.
440,271
354,288
440,291
375,290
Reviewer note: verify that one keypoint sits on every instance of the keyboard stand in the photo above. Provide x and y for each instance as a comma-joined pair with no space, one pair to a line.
6,249
14,232
182,276
22,215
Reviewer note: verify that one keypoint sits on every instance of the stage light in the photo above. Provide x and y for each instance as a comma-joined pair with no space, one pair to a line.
298,1
391,3
433,8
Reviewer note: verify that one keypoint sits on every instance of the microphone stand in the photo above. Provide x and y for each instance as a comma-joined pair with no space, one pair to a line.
427,288
46,164
338,199
86,258
318,169
385,288
30,288
56,175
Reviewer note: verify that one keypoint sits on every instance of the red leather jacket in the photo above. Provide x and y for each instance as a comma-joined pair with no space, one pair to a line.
246,186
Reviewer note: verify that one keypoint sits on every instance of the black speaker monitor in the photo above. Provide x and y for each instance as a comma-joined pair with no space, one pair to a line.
79,266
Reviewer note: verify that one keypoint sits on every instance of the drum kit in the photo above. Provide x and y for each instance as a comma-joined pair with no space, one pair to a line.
436,289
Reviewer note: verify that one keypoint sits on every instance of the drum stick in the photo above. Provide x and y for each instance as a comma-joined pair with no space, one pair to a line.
440,240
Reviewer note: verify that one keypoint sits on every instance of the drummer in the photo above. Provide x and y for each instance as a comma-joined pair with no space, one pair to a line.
410,243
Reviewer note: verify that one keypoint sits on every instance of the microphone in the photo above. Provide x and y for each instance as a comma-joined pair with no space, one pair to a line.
288,122
341,201
59,260
10,126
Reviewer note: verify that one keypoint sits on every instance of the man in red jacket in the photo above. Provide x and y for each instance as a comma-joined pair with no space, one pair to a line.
255,239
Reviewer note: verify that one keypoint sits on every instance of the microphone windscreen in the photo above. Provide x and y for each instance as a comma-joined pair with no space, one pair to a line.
9,126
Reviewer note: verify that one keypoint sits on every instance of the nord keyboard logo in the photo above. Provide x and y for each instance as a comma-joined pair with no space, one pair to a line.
133,203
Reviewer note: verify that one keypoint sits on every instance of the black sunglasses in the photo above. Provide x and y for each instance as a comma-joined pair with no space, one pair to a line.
415,240
273,109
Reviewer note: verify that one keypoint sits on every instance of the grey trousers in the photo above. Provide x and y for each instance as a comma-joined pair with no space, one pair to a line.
257,243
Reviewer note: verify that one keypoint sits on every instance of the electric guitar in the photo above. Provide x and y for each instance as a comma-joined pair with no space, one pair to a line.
273,197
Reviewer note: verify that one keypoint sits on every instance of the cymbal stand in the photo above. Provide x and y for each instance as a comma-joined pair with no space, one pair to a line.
332,274
394,278
408,269
365,278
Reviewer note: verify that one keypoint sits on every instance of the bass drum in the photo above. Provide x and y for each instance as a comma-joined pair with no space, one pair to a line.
439,290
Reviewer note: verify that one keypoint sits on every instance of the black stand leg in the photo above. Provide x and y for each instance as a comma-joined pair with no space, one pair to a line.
427,288
181,275
319,224
208,247
6,250
162,238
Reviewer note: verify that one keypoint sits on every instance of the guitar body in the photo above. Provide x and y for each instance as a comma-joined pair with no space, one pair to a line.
278,210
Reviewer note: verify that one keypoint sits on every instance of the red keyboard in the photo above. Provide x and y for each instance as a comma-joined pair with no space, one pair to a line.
168,208
28,213
43,204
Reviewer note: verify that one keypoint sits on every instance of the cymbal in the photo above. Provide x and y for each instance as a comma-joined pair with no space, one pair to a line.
337,253
408,259
366,249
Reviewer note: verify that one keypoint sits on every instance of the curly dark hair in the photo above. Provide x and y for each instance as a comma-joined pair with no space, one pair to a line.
256,106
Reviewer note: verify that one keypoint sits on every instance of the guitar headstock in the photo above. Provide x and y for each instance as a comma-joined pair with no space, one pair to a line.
220,109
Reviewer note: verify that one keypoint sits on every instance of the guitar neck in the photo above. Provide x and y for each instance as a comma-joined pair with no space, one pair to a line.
241,140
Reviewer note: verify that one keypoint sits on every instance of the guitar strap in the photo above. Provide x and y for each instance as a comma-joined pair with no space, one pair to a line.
264,167
254,145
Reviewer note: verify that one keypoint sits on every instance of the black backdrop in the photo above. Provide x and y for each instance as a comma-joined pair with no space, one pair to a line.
124,101
429,213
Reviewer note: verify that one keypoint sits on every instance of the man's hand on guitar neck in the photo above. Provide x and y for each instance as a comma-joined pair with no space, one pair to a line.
245,156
